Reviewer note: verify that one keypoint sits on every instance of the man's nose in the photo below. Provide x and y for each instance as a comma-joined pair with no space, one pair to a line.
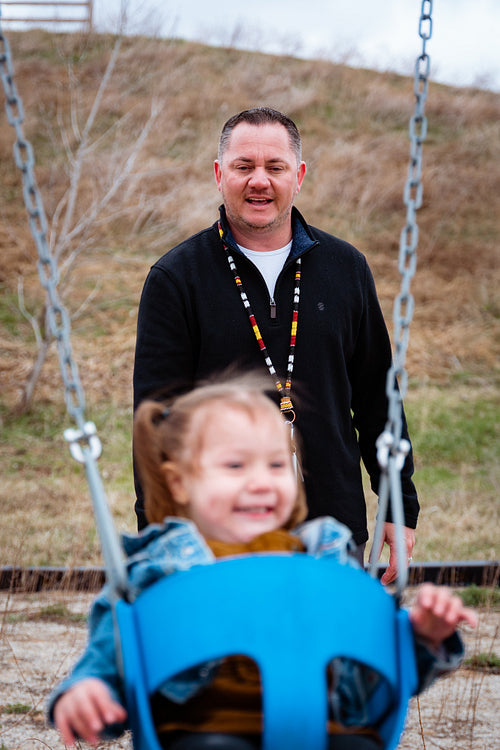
259,177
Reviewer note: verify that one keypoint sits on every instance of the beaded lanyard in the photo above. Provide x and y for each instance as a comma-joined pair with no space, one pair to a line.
286,405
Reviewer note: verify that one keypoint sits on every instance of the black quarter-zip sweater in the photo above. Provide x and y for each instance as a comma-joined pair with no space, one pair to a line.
192,324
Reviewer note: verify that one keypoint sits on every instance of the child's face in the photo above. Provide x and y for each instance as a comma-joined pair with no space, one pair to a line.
245,483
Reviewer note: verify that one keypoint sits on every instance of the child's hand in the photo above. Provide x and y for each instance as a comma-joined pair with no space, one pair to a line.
85,709
437,613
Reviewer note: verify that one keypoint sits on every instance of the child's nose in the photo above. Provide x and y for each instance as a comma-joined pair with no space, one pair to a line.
260,481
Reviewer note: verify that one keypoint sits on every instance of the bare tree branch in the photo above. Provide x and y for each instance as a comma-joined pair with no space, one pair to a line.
82,147
100,189
29,317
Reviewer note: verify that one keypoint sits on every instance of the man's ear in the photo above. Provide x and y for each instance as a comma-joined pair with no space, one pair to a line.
218,174
175,482
301,173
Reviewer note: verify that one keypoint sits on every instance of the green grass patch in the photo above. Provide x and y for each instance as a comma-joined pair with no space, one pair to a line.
480,596
484,662
43,422
11,319
455,433
34,442
58,613
16,708
448,433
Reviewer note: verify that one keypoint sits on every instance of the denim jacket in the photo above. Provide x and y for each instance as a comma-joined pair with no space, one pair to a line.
175,545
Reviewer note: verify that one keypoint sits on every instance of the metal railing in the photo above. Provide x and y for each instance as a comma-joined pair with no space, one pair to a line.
36,12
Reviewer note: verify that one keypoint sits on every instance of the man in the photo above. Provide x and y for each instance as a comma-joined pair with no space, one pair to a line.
261,288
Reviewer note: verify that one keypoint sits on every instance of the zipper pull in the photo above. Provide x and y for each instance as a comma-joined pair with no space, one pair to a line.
273,309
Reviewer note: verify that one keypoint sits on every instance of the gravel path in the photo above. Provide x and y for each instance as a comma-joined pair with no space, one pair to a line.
458,713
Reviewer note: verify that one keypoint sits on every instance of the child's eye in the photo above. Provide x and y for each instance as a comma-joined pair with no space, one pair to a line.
278,464
234,464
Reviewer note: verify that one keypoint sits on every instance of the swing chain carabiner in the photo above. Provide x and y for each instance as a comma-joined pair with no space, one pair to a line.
385,449
77,439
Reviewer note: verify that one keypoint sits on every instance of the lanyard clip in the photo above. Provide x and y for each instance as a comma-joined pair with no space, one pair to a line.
286,408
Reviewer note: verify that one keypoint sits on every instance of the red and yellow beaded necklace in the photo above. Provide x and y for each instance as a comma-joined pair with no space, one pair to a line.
286,405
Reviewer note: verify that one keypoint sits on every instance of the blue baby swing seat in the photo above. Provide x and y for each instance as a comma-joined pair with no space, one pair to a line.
290,613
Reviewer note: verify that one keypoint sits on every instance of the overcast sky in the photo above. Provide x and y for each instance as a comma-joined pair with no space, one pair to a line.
464,47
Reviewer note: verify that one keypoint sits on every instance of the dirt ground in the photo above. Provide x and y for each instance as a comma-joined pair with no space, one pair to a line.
37,648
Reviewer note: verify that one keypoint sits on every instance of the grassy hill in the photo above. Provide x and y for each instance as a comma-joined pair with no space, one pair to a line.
145,181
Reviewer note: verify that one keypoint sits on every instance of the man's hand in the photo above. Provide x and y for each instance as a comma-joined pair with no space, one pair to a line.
85,709
390,539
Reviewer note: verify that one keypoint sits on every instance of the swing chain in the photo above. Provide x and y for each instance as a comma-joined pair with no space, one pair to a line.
57,316
85,445
391,448
413,191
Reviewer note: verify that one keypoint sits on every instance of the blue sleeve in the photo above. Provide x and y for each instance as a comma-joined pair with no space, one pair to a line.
98,660
432,664
359,696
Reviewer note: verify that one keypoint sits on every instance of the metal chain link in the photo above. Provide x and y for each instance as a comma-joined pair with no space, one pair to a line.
84,443
413,191
391,448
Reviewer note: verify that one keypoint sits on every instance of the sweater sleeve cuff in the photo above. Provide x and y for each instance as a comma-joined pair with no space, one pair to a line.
432,663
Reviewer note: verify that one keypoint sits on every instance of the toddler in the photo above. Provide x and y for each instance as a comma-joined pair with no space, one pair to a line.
217,471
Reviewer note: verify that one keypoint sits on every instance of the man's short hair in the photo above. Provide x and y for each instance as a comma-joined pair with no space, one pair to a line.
261,116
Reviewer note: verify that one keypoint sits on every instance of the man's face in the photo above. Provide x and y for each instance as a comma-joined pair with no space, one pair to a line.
259,178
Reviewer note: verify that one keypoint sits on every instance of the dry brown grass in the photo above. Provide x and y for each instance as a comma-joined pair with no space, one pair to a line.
354,126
